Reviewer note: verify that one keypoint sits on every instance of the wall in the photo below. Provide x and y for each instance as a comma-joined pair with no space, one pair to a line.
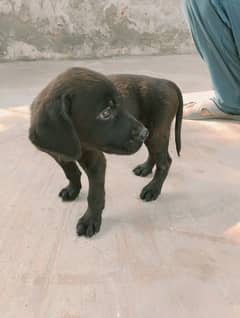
33,29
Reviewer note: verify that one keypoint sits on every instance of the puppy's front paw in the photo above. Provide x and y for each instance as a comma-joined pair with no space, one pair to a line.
142,170
150,192
88,225
70,192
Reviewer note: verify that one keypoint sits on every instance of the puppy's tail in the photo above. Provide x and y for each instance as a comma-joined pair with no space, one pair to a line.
178,121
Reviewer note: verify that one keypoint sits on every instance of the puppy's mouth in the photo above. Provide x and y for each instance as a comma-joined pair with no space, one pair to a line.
129,148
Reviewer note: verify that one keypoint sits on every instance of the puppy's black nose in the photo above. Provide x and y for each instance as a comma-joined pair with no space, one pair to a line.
143,134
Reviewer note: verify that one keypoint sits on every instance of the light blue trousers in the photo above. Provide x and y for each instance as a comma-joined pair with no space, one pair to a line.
215,27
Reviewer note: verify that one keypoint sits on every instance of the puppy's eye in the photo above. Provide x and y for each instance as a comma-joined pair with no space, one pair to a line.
107,113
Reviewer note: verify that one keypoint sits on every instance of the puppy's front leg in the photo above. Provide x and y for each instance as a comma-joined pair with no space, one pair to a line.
158,150
94,163
73,174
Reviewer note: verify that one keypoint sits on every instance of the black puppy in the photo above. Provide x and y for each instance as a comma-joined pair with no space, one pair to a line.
81,114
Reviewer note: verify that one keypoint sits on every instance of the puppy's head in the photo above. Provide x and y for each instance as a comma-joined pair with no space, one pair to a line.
83,107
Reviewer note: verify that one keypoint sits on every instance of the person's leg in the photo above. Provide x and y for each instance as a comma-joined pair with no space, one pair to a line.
215,29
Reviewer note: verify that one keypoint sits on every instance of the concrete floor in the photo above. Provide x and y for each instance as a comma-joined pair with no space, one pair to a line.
177,257
21,81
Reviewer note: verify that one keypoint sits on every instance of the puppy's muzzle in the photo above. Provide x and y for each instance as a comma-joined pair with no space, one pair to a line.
140,134
143,134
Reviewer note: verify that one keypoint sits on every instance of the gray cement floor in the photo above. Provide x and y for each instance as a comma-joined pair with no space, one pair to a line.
20,82
177,257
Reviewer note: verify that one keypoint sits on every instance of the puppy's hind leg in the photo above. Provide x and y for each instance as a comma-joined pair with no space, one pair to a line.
159,152
73,174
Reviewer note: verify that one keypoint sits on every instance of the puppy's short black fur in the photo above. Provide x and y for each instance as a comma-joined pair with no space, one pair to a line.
82,113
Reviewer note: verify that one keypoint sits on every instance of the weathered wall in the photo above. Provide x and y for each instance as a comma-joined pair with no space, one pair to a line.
31,29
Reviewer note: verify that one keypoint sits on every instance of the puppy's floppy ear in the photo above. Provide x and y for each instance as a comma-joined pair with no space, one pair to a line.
54,130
